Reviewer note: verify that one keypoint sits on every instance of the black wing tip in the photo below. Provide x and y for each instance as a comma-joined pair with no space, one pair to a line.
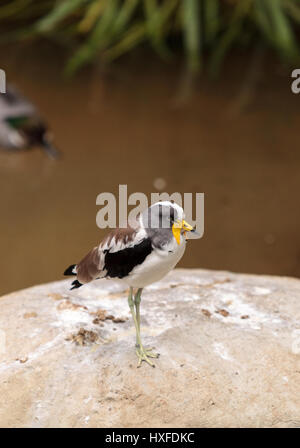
69,270
76,284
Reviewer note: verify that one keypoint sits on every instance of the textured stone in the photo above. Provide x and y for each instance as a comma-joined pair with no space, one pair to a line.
229,345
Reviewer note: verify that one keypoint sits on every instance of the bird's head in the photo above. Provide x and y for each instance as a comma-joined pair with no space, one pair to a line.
166,216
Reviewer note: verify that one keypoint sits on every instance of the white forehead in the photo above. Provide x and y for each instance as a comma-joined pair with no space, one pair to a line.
177,207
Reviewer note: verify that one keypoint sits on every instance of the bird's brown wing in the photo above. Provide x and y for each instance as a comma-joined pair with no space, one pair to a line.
93,265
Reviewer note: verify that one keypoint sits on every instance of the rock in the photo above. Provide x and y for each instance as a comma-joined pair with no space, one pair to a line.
229,345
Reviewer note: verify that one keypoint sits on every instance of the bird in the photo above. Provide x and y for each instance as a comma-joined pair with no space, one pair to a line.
139,254
21,126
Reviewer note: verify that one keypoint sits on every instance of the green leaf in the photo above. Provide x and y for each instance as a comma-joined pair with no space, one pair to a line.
92,14
125,15
95,29
211,20
231,33
14,8
62,10
293,9
157,17
130,40
191,33
98,39
275,26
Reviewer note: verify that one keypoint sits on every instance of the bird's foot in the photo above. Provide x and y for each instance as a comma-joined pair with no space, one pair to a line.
144,354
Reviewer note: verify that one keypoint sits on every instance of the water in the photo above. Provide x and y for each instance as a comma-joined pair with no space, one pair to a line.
129,128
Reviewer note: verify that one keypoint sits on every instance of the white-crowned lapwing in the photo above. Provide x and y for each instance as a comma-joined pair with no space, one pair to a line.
140,254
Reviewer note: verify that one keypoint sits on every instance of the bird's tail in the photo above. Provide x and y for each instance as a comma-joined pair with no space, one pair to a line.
71,270
50,150
76,284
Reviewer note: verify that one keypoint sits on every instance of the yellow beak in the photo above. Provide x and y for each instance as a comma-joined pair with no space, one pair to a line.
178,226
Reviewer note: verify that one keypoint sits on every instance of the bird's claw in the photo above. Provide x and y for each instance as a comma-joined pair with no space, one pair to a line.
144,355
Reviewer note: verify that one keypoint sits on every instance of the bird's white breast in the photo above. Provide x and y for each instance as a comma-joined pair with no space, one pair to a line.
156,265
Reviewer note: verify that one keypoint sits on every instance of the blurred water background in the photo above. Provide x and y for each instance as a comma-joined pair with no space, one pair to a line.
234,137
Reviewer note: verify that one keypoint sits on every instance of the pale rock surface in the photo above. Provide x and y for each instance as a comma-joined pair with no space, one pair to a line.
229,345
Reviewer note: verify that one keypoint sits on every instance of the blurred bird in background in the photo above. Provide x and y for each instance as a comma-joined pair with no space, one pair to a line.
21,126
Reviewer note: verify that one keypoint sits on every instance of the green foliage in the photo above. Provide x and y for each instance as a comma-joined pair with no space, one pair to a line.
204,30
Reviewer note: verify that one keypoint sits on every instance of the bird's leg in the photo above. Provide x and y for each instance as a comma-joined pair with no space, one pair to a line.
142,353
137,302
131,303
139,347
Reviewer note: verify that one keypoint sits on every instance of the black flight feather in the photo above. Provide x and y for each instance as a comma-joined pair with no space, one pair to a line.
70,269
119,264
76,284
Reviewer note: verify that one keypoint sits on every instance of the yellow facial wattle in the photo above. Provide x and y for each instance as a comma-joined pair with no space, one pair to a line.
178,226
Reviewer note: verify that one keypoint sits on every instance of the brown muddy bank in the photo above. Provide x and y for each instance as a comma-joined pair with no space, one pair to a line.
130,128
